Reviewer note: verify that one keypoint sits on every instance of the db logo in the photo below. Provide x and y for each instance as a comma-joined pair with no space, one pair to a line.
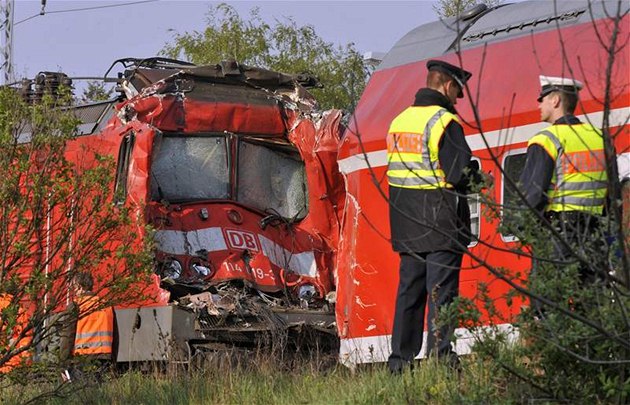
242,240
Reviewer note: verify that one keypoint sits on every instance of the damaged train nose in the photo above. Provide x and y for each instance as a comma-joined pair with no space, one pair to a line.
238,174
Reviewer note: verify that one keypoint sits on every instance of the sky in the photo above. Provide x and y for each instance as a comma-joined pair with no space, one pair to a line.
85,43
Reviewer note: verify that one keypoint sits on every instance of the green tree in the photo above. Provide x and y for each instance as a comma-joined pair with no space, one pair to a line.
451,8
96,91
283,46
56,221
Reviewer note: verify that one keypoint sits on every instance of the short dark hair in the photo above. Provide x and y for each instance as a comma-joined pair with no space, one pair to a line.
436,78
85,281
569,101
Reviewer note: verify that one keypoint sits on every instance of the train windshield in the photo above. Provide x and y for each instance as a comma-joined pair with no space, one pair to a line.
268,177
272,180
190,168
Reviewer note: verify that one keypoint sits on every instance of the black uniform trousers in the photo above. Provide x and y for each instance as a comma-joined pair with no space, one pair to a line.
432,276
577,230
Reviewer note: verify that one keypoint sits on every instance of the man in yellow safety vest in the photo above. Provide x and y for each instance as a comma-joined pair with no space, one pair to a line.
564,176
429,217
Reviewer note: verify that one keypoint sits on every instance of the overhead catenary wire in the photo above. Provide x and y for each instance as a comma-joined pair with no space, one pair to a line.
70,10
26,19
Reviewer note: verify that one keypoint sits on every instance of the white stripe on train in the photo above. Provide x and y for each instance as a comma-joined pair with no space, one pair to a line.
375,349
503,137
177,242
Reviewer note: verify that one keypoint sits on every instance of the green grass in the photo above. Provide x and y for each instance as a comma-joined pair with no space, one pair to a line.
272,381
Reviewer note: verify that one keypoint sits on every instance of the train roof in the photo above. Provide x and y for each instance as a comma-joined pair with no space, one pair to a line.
142,73
490,25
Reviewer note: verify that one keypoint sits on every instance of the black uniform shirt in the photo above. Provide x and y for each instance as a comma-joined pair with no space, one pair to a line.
538,171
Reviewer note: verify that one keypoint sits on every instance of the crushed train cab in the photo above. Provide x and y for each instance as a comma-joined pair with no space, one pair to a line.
235,170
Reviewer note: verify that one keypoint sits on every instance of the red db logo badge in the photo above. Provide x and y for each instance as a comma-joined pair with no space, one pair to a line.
242,240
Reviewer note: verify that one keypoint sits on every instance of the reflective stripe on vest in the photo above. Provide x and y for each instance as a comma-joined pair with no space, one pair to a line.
412,147
95,331
579,182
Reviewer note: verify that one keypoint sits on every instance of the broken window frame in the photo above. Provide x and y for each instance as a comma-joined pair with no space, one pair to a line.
122,168
276,147
181,135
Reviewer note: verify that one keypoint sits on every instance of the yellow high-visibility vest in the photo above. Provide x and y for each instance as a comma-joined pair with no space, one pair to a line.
412,148
579,181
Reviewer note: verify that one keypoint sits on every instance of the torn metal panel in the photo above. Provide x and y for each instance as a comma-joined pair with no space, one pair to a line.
229,314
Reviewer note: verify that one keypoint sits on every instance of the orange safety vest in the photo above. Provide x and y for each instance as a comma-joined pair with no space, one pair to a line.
11,336
95,331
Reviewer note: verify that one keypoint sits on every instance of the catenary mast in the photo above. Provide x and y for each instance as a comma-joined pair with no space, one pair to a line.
6,13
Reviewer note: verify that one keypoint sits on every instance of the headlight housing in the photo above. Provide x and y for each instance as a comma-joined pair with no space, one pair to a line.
171,268
201,269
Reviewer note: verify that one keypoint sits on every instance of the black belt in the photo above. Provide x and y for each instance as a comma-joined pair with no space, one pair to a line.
573,217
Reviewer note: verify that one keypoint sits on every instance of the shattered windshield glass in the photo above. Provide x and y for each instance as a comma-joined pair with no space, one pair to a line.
272,180
189,168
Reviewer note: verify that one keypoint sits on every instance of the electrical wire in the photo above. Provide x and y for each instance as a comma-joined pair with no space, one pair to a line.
26,19
99,7
84,9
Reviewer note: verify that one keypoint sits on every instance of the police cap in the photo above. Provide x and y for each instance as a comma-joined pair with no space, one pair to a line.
460,75
550,84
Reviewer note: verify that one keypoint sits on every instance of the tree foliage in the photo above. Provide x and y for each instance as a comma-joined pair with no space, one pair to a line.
96,91
282,46
574,331
56,221
452,8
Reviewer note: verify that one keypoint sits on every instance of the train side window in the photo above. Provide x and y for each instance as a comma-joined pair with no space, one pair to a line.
513,164
122,170
475,213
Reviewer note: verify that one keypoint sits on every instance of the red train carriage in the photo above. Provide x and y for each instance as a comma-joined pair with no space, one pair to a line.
506,48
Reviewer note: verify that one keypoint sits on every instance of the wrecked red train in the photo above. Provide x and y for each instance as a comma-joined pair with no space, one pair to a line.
235,170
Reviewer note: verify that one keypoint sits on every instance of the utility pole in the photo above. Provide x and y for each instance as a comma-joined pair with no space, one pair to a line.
6,49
